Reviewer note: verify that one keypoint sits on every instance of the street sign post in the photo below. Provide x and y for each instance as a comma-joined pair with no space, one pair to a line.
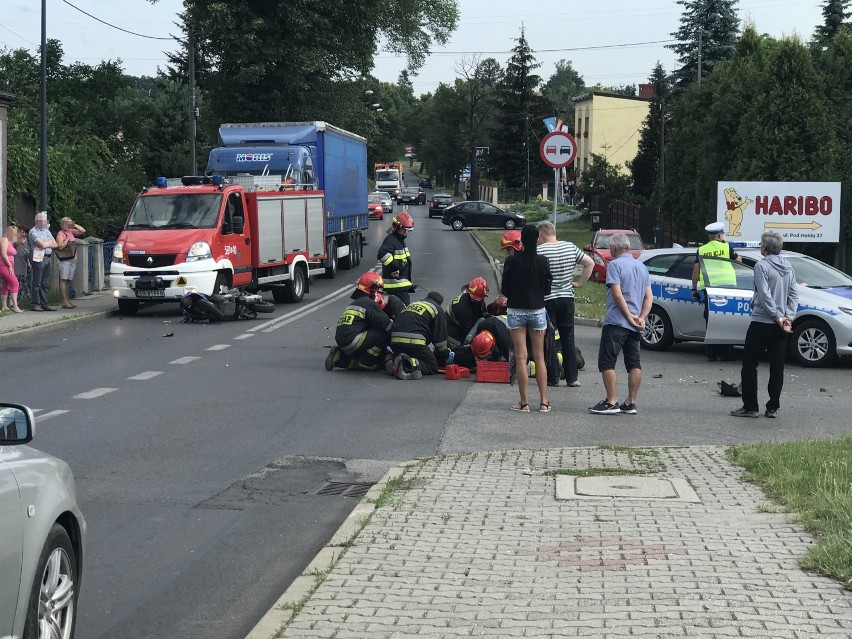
557,149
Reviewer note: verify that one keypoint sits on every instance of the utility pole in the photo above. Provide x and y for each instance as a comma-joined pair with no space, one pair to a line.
662,141
701,32
193,111
527,145
42,192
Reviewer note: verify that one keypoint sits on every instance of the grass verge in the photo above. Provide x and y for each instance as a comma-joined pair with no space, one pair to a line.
814,480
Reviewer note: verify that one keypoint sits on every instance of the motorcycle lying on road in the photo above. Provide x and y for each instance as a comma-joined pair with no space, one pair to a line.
232,305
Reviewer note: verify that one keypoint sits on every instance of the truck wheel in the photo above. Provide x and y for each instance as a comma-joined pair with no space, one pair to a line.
128,307
279,294
331,269
348,262
356,246
294,290
222,285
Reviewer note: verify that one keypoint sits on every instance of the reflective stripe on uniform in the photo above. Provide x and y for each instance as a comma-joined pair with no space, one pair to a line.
352,346
397,284
415,341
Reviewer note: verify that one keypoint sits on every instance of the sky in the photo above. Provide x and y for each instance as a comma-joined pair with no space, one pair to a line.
609,42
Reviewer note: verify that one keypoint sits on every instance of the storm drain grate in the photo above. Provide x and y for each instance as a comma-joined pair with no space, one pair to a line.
341,489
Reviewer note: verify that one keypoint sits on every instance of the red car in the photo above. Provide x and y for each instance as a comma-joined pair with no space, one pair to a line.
599,250
374,208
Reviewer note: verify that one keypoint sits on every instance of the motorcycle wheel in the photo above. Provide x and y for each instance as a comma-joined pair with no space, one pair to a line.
210,309
262,307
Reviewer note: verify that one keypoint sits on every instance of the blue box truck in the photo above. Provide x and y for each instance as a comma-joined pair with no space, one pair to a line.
305,156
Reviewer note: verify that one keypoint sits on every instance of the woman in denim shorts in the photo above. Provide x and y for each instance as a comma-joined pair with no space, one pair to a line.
526,280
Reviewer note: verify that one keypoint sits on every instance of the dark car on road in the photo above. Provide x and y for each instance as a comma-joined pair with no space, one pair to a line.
480,213
426,183
438,202
411,195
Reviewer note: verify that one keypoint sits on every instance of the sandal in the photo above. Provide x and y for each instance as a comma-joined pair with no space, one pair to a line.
544,407
522,408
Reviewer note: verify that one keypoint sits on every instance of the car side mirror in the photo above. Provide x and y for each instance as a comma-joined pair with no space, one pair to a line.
587,247
239,224
17,424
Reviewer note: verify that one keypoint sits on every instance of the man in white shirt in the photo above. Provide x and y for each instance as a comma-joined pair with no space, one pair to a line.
563,258
41,248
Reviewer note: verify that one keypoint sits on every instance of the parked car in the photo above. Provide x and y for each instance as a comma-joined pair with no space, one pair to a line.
41,535
387,200
599,250
478,213
822,328
412,195
426,183
438,202
375,210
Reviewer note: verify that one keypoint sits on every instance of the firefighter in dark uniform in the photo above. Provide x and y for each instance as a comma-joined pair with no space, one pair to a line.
395,258
418,326
363,331
721,273
465,311
494,322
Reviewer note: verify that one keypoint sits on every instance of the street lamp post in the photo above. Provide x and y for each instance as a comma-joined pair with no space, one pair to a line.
42,192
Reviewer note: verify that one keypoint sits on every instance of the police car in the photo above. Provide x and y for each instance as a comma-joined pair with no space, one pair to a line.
822,328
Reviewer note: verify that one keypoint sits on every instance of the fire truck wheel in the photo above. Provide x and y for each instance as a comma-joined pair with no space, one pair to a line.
294,290
128,307
221,286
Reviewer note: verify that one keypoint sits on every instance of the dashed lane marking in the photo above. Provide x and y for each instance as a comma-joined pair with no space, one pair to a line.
184,360
146,375
244,336
49,414
218,347
95,393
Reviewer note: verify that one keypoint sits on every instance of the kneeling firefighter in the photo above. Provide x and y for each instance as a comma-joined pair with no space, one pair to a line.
465,311
363,331
418,326
489,339
395,258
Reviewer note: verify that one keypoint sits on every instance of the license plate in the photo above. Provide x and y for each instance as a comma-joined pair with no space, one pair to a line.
157,292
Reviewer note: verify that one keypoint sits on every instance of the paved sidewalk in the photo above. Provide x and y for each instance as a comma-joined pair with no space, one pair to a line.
87,305
478,545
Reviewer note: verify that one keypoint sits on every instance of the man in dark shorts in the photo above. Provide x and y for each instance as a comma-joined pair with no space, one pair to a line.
628,302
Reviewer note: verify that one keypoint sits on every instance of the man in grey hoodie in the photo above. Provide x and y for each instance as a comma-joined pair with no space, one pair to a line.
772,311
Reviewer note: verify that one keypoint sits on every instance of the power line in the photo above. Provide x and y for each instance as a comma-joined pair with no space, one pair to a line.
115,27
18,35
537,51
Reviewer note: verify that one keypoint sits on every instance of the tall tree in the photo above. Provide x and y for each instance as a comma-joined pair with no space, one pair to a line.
645,168
835,13
562,87
518,107
715,22
476,85
281,60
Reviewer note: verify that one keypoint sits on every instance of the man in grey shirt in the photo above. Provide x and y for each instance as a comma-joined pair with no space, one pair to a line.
41,249
773,308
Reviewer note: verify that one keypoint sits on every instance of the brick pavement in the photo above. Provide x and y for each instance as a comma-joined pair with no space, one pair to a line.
476,545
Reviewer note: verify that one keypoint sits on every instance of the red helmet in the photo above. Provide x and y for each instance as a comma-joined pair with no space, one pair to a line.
498,306
370,282
405,221
511,239
482,345
478,289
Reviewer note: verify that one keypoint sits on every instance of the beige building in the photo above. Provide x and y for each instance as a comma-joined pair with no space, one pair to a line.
608,125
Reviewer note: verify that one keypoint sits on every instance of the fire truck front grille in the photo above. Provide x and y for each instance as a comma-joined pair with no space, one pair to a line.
156,261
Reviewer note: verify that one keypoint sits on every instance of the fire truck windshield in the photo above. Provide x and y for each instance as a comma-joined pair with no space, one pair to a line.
175,211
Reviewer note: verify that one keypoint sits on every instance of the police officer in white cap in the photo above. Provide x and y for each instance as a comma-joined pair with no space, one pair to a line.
720,273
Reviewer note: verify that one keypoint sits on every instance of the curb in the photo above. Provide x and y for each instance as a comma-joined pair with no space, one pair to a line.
17,331
497,269
273,623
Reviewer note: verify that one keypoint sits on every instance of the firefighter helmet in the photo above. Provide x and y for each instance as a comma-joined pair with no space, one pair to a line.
498,306
370,282
477,289
403,220
511,239
482,345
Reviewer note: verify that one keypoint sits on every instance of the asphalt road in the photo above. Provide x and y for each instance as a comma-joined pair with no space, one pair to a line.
194,445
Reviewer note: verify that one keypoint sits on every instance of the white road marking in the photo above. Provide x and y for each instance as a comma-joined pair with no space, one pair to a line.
184,360
146,375
294,317
48,415
95,393
244,336
218,347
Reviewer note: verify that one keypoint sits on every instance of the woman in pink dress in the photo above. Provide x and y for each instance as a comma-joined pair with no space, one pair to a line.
9,290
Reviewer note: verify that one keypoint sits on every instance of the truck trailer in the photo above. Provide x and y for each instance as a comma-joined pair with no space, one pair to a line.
305,156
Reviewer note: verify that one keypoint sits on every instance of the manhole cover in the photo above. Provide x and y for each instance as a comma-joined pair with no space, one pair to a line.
342,489
625,487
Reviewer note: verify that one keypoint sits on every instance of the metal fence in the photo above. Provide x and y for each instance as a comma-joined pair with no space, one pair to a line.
653,225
